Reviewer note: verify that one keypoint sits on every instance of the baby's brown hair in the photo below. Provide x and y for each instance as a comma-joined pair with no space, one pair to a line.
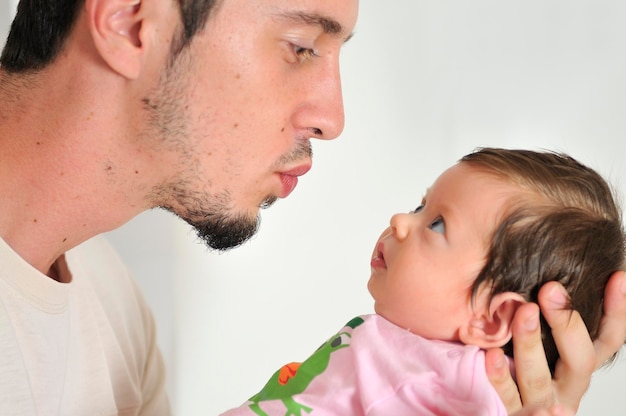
568,229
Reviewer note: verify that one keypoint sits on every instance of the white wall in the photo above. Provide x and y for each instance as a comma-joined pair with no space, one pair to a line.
5,15
425,82
7,9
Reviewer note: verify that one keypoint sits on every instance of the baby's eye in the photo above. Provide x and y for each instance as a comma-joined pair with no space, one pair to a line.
418,209
438,226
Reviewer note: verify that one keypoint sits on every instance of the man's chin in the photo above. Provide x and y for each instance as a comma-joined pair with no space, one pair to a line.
228,233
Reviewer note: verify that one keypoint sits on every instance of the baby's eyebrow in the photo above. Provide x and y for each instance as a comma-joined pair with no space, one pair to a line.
328,24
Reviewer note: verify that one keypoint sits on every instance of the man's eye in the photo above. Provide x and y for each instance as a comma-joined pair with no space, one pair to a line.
418,209
438,226
304,53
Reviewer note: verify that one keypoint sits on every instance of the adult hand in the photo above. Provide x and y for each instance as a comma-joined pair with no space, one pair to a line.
579,355
554,410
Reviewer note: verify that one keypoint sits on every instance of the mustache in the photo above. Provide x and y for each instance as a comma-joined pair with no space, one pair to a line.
302,150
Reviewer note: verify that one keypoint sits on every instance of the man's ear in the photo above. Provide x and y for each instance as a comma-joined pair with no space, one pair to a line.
116,30
492,328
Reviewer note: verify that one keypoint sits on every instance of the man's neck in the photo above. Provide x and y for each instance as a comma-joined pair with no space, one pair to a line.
58,180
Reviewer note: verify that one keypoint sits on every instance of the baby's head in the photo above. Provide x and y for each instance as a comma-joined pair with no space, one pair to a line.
487,235
567,228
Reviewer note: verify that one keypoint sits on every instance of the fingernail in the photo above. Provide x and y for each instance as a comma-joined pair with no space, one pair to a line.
558,296
532,323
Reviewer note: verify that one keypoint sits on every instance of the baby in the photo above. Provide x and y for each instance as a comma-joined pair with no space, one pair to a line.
447,279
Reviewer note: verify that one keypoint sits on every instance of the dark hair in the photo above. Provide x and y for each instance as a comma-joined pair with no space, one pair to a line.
41,27
569,230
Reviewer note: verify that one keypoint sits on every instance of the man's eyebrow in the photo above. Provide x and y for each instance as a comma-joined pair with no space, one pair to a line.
328,24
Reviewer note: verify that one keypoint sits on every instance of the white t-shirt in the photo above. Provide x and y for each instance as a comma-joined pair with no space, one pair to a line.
82,348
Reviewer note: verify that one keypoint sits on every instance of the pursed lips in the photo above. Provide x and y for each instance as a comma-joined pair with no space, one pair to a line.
289,178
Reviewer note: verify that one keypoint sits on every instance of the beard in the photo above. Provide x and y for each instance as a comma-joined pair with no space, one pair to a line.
225,235
215,222
223,231
219,226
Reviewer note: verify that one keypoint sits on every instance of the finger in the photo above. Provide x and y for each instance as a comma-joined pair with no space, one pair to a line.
555,410
577,355
500,377
561,410
533,411
533,374
613,325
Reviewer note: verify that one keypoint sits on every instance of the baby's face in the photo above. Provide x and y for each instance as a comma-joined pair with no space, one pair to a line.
425,263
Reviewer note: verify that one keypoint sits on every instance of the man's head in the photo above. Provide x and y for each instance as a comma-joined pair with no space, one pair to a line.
566,228
215,110
240,105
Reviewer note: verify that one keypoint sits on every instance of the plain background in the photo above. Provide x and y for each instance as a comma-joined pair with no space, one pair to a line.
425,82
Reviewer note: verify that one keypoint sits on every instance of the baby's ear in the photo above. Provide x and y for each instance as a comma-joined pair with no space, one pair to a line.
492,328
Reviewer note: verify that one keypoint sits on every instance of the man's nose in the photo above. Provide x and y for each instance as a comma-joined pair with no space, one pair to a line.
322,113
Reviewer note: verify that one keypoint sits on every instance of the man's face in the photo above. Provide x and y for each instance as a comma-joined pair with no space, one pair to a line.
237,108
